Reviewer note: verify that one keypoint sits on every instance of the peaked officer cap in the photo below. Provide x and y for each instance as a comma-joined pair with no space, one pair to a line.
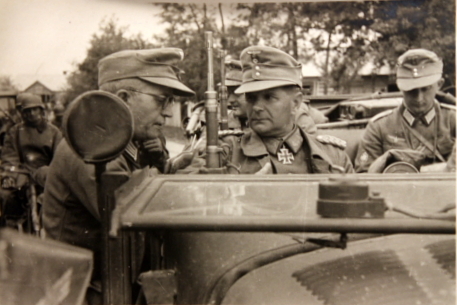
266,67
418,68
29,100
155,66
233,75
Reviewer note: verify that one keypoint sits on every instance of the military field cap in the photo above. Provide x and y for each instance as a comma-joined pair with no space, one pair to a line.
266,67
29,100
156,66
418,68
233,74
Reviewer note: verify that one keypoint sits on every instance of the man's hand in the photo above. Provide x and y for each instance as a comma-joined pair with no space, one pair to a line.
180,161
154,145
155,141
413,157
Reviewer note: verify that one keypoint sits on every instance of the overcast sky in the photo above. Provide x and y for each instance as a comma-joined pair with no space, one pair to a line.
47,36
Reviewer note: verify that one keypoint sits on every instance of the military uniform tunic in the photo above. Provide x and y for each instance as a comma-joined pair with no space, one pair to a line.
70,209
311,154
391,130
33,146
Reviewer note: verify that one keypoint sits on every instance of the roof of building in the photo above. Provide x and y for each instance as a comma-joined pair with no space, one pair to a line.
310,70
53,82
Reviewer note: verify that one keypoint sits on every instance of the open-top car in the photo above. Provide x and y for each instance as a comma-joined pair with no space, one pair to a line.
275,239
357,110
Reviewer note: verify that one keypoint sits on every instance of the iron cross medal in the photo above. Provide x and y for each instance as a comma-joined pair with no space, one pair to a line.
285,156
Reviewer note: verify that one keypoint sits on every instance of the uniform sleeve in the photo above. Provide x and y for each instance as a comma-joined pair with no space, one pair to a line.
56,140
453,127
341,163
71,180
370,148
347,164
450,164
10,154
39,175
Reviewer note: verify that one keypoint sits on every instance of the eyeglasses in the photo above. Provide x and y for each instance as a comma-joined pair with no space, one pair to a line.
165,100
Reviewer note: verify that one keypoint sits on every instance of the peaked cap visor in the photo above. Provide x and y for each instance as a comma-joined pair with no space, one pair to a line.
407,84
232,83
179,88
156,66
255,86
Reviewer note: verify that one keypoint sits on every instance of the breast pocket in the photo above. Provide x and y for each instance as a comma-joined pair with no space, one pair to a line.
394,142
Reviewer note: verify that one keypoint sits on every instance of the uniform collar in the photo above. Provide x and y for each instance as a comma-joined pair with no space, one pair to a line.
293,140
252,145
132,151
427,118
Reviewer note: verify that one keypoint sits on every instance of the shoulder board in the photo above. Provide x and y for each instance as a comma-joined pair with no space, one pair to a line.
230,132
328,139
447,106
381,115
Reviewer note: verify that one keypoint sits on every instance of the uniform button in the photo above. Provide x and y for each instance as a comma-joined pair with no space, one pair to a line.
255,60
257,73
257,67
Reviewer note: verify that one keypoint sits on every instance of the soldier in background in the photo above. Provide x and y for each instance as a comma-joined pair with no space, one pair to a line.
29,145
420,131
236,102
58,110
11,117
147,81
33,142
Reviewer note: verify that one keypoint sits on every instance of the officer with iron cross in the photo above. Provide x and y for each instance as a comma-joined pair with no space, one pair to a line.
420,130
304,117
272,84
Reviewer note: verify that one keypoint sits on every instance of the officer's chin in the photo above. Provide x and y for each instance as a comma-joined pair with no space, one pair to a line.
33,122
261,129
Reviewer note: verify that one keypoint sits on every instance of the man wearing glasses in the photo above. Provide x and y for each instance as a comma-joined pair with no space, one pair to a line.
146,80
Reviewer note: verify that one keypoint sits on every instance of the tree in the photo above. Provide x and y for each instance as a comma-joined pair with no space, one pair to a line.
110,39
6,84
187,24
340,37
335,35
404,25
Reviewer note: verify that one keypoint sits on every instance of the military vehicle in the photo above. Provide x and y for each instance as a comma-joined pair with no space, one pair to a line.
358,110
42,272
277,239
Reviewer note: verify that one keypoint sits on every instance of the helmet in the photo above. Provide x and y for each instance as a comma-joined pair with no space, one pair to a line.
29,100
59,109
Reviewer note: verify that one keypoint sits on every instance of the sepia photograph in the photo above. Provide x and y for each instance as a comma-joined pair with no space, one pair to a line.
227,153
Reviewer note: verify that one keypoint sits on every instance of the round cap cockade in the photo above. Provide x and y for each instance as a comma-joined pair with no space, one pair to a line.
418,68
266,67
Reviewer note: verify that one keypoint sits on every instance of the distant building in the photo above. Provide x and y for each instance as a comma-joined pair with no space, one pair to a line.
49,87
369,79
7,100
38,88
